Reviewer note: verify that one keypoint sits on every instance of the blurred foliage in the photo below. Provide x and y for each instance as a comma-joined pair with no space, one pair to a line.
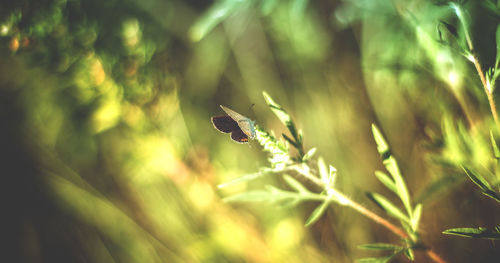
109,156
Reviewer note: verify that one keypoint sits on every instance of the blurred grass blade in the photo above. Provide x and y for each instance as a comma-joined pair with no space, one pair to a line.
317,213
386,180
445,183
217,13
298,8
250,196
380,246
267,6
417,213
246,178
295,184
498,47
388,207
375,260
496,151
479,232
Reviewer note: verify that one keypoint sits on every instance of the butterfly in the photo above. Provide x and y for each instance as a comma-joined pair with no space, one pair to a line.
240,127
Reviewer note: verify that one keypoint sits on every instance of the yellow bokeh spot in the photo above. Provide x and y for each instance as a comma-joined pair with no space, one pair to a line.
106,116
131,32
201,195
287,234
97,72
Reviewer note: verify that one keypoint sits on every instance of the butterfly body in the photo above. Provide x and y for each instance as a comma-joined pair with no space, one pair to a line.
240,127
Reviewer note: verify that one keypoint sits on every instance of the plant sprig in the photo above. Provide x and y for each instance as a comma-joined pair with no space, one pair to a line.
324,176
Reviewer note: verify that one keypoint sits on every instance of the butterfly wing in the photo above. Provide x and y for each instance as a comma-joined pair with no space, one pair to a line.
245,124
239,136
225,124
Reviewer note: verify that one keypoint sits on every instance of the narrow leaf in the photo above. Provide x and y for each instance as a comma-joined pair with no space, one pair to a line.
382,145
318,212
444,183
415,220
295,184
309,154
477,179
244,178
251,196
392,166
386,180
375,260
332,177
498,45
496,151
409,254
388,207
479,232
290,140
277,109
217,13
380,246
323,172
492,194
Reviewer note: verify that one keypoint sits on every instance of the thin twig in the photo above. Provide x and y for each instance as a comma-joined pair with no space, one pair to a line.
344,200
487,90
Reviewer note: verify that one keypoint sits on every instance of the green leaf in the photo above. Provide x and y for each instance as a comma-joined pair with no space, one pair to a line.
444,183
375,260
380,246
333,176
323,171
388,207
251,196
498,46
277,109
477,179
246,178
479,232
290,140
409,254
297,8
392,166
267,6
492,194
382,146
295,184
496,151
415,220
309,154
217,13
386,180
282,116
318,211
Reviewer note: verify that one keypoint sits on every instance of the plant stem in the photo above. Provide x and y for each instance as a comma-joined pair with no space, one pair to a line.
364,211
473,58
487,89
344,200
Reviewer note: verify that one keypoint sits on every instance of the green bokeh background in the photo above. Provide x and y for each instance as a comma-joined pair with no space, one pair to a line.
109,154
